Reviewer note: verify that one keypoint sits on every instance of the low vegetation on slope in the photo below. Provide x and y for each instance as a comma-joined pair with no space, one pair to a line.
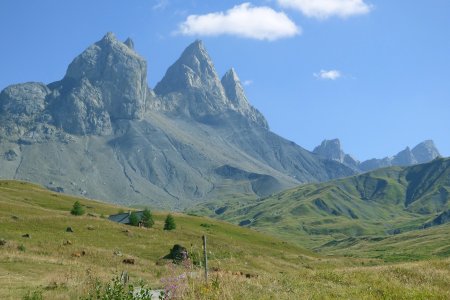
379,203
38,255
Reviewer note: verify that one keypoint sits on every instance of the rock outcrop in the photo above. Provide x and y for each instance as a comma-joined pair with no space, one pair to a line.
22,106
108,81
331,149
425,151
236,95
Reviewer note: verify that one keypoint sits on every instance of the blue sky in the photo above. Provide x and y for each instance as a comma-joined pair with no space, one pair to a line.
374,73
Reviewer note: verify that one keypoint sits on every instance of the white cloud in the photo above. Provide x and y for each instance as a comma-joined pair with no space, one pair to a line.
323,9
160,4
247,82
245,20
328,75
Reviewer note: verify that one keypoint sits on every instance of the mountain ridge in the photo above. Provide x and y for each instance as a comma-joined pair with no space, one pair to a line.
423,152
102,132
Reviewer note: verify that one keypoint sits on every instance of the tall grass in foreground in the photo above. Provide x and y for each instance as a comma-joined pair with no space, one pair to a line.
424,280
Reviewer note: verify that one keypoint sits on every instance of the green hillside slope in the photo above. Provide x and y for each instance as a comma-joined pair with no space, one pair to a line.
244,264
383,202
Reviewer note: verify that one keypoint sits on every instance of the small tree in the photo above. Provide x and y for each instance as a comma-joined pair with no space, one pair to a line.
134,219
147,218
169,224
77,209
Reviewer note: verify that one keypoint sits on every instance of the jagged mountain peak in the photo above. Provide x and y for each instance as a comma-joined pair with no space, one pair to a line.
193,70
425,151
196,48
105,53
129,42
404,158
106,82
333,143
233,88
236,95
109,37
330,149
231,75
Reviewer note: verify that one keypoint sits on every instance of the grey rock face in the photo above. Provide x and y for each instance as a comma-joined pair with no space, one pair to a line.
404,158
107,82
351,162
22,108
425,151
194,70
130,44
117,72
235,94
330,149
192,87
81,111
26,99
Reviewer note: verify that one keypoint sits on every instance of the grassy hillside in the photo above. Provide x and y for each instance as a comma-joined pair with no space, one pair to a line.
383,202
413,245
44,262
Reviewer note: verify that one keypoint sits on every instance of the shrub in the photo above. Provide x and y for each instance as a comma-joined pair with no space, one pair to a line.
117,289
169,223
21,248
134,219
77,209
147,218
35,295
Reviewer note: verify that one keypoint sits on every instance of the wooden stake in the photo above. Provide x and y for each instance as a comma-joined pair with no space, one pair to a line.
205,258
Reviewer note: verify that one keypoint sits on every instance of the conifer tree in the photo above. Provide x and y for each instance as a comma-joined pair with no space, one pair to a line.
147,218
134,219
77,209
169,224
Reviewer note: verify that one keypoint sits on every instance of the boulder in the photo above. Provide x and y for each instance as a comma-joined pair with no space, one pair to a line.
178,254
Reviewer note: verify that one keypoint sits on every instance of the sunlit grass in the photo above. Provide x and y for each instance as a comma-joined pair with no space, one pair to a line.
276,269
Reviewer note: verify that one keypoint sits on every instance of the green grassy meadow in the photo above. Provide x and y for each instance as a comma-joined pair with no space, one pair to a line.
244,263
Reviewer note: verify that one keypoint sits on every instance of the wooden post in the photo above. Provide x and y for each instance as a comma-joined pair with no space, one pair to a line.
205,258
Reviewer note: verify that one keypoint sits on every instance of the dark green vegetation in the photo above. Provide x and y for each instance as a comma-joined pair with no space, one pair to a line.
169,223
77,209
147,218
244,264
134,219
368,209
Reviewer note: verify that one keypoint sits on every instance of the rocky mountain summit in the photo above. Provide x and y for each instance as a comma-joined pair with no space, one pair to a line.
191,86
422,153
331,149
102,132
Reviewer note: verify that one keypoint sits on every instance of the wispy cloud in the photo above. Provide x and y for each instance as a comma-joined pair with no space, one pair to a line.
160,4
328,75
323,9
247,82
244,20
